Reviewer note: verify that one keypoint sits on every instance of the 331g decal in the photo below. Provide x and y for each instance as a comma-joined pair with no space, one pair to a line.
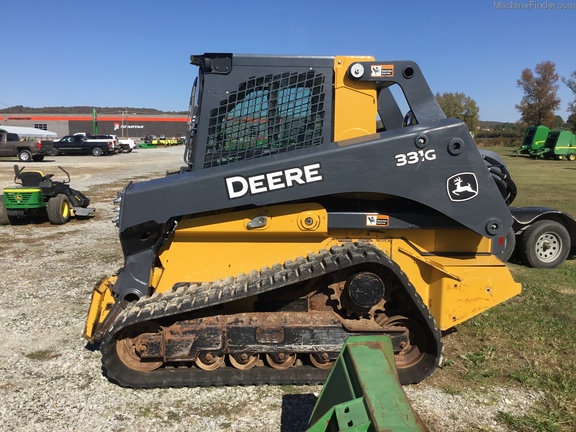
415,157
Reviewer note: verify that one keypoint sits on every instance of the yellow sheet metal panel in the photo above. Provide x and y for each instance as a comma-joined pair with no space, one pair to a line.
215,247
456,289
425,240
355,104
482,287
102,301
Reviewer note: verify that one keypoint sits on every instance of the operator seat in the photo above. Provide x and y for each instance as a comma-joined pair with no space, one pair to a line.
31,178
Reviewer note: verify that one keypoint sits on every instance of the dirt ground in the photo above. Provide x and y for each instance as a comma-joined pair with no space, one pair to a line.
52,382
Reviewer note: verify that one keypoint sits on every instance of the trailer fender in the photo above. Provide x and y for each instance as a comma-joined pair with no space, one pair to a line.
525,216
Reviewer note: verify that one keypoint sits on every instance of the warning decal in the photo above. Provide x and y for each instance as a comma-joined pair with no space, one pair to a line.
377,220
378,71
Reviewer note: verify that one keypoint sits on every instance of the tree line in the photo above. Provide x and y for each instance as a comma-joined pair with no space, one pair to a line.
537,107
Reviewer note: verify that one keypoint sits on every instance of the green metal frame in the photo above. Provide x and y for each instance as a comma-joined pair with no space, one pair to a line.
363,393
534,139
23,198
559,144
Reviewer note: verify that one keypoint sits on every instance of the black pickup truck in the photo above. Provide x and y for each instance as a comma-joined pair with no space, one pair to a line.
29,150
82,144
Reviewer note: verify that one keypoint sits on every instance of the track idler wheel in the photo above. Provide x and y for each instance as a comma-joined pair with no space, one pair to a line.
321,360
208,361
130,347
412,360
411,353
243,361
281,361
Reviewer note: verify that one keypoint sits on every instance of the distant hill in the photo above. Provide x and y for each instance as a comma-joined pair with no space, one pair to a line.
19,109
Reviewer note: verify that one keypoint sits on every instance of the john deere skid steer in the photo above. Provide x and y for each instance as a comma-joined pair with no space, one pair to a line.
310,209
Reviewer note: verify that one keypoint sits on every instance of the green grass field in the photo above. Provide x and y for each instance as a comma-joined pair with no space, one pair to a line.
530,341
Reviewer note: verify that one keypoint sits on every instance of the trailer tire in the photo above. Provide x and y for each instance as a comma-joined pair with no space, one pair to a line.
545,244
571,156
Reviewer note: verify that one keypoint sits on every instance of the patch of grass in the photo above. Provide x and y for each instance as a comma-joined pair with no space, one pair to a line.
476,362
42,355
173,416
535,422
146,411
529,340
291,389
151,411
451,391
223,410
541,182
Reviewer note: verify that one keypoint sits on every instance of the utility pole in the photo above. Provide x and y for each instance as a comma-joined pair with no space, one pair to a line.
124,126
124,115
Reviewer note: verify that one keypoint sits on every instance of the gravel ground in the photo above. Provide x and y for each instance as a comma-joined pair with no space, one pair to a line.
52,382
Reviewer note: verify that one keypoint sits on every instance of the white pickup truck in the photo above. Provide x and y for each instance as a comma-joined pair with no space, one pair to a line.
127,145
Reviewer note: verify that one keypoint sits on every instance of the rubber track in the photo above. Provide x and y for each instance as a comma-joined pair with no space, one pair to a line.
187,298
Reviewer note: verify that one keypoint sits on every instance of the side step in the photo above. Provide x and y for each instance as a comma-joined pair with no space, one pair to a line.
363,393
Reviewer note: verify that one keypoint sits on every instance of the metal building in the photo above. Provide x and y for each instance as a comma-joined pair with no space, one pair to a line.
122,124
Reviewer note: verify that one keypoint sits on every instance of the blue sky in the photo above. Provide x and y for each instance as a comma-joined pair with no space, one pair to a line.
136,53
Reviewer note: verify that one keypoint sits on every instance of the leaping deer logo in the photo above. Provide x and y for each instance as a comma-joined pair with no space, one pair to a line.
459,188
462,186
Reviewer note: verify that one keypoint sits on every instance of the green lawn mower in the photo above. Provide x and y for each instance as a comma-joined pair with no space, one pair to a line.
38,196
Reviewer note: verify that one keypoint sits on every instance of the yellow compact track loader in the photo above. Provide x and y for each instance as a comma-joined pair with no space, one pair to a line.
309,209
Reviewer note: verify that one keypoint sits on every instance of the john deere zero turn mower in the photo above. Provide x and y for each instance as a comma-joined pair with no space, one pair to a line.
37,195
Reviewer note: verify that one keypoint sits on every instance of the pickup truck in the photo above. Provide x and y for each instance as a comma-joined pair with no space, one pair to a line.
114,139
30,150
83,144
127,145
